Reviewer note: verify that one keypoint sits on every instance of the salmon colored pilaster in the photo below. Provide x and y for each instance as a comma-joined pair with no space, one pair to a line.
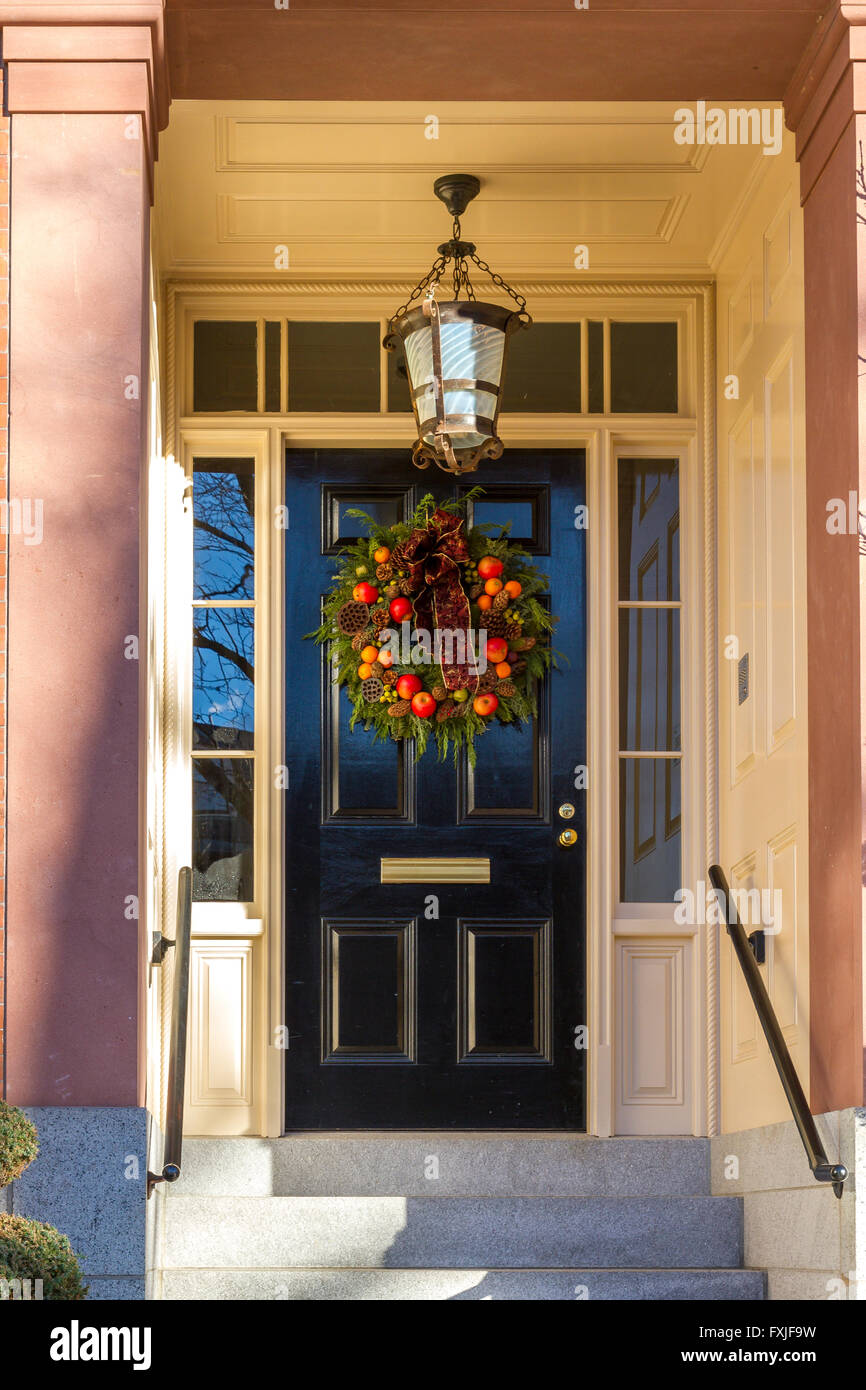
826,107
86,101
4,398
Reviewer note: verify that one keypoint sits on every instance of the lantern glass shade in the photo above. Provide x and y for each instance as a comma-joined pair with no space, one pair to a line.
473,340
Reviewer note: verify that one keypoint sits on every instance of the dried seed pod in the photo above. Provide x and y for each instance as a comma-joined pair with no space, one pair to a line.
392,591
390,678
399,708
459,710
487,682
518,667
445,711
372,690
353,617
476,591
377,670
440,693
523,644
505,688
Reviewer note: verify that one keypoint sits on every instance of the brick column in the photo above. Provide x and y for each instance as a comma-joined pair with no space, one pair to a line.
826,107
85,100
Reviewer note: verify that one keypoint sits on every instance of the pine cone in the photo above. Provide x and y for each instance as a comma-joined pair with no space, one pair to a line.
389,678
385,572
440,693
501,602
459,710
372,690
495,624
505,688
476,591
392,590
487,682
445,711
377,670
405,588
352,617
512,632
358,641
524,644
380,618
399,708
518,667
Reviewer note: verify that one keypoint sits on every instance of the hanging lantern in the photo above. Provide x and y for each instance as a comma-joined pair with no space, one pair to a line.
455,349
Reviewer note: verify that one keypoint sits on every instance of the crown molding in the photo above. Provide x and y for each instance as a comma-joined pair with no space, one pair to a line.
826,91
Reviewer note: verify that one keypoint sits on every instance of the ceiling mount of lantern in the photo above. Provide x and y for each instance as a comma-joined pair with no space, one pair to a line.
455,349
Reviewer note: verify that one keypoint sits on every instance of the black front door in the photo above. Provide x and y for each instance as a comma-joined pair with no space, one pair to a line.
424,1004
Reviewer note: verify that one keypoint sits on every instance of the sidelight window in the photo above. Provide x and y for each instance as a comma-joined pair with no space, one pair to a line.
650,734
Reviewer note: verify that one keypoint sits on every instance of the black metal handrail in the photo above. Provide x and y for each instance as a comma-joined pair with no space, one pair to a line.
822,1169
173,1138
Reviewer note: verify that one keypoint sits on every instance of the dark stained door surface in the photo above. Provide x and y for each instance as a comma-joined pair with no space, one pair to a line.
397,1018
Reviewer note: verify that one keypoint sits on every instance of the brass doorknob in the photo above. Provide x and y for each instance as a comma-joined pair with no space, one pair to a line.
567,838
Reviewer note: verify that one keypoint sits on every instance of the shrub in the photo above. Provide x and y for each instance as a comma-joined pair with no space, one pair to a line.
33,1250
18,1143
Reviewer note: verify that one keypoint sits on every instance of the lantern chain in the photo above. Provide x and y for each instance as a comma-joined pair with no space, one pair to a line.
497,279
432,275
460,254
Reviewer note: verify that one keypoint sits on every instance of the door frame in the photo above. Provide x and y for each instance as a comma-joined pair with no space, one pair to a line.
250,944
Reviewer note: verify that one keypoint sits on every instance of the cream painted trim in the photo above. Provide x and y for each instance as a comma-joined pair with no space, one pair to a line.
689,435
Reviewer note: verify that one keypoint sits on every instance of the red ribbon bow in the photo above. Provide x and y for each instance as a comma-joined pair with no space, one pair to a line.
432,557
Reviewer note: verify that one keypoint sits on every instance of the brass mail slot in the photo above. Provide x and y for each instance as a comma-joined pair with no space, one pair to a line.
422,870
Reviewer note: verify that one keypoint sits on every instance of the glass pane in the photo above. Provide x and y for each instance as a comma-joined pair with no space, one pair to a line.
222,829
333,366
398,382
225,369
542,370
492,513
595,353
272,366
649,680
650,841
223,511
649,529
223,652
643,368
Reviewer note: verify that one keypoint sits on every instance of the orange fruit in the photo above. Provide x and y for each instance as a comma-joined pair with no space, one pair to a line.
370,654
503,669
493,586
514,588
381,555
485,602
365,670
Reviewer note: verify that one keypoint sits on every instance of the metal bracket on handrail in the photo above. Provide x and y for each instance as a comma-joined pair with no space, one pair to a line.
822,1169
177,1047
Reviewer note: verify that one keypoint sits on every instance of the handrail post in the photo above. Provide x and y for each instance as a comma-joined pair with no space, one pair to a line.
173,1140
822,1169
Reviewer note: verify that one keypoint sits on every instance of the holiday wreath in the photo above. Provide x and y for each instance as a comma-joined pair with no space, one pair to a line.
435,629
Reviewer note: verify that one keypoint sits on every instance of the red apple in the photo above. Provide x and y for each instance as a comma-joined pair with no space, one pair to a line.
485,705
490,567
399,609
497,650
423,703
407,686
365,593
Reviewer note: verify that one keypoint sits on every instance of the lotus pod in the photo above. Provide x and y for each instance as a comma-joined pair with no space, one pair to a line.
501,601
445,711
506,688
487,682
523,644
377,670
372,690
399,708
353,617
476,591
385,571
380,618
389,678
440,693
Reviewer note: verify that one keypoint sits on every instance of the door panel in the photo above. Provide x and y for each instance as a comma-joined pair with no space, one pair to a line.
399,1017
